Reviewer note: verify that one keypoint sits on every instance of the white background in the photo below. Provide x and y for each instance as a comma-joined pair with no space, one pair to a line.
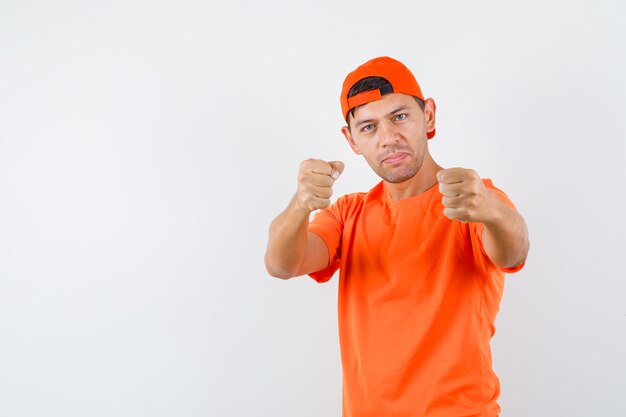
145,146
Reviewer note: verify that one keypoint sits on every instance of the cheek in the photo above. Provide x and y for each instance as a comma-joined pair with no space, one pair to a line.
367,152
412,127
413,131
365,145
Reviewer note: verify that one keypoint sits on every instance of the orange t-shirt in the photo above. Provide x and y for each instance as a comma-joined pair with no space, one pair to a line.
418,297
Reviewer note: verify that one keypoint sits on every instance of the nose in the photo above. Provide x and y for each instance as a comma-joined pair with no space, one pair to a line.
388,133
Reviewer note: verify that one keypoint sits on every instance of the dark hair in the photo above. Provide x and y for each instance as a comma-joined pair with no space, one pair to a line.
373,83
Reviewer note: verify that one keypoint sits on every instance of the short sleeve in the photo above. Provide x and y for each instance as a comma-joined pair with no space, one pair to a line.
328,224
476,231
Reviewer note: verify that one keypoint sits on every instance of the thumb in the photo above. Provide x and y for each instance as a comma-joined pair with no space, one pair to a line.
338,167
441,174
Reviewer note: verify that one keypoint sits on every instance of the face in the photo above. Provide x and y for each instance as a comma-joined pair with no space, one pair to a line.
390,133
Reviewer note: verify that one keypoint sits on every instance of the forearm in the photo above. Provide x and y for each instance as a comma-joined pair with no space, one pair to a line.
287,243
505,237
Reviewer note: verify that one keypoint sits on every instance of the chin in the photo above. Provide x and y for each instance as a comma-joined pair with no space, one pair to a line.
398,176
396,179
401,173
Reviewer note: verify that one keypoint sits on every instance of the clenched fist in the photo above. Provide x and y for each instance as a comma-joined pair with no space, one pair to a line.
465,196
315,182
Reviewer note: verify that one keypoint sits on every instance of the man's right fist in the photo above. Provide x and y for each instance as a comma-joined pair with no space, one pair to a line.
315,182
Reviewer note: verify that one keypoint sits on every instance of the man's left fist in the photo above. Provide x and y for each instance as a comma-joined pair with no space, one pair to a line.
465,196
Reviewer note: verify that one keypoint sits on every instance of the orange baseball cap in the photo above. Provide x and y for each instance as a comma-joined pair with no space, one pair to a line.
398,75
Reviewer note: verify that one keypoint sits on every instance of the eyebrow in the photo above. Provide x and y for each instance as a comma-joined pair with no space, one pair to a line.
360,122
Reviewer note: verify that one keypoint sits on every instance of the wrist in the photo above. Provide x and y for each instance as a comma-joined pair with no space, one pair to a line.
298,209
495,214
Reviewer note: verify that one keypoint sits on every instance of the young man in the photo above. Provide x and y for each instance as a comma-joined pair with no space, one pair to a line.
422,257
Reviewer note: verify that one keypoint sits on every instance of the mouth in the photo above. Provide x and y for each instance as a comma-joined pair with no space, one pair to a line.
395,157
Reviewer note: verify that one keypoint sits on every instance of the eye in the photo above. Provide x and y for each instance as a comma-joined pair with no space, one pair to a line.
400,116
367,128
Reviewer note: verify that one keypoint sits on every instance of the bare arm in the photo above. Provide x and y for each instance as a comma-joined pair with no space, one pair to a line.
505,236
291,249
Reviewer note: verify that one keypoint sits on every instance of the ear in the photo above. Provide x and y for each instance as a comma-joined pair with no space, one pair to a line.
346,132
429,113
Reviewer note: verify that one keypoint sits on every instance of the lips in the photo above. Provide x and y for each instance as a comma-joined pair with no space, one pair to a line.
395,157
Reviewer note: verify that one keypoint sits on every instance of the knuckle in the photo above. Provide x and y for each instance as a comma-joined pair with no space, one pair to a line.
308,164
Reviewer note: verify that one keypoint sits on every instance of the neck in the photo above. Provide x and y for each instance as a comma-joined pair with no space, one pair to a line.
420,182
